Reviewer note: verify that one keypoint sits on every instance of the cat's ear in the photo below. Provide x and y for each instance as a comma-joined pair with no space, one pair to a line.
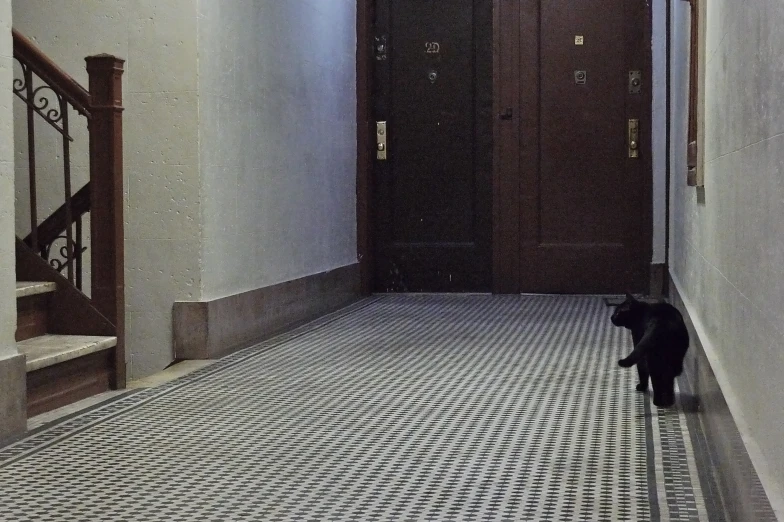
630,297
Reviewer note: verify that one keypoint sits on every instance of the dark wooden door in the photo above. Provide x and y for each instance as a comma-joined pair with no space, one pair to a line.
432,194
584,205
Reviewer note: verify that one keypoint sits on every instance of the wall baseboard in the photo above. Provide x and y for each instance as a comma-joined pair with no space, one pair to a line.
13,398
739,487
211,329
658,280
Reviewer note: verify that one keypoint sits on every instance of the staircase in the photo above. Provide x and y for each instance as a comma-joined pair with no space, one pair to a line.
71,330
61,369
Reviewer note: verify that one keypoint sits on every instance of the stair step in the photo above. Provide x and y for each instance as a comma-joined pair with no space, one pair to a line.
48,350
32,308
28,288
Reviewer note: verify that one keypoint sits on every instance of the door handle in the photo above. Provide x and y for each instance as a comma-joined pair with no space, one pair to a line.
381,140
633,138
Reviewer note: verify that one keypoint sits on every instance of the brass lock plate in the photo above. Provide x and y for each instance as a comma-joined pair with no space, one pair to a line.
635,82
381,140
633,140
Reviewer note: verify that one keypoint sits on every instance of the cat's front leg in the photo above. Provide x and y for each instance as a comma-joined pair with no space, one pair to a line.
642,372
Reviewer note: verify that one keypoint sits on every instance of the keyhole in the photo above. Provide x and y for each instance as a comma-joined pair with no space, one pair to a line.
432,76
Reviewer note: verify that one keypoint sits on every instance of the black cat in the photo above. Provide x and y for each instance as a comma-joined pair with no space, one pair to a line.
660,343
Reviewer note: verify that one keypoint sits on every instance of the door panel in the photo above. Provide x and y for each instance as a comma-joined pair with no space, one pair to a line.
585,205
566,210
432,194
582,138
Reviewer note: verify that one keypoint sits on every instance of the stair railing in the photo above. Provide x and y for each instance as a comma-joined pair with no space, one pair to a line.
47,92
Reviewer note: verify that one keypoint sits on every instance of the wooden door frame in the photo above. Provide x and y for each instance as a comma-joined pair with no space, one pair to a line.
506,189
365,139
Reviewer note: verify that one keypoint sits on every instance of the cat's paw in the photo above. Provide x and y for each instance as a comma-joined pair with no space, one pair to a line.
642,387
663,404
625,363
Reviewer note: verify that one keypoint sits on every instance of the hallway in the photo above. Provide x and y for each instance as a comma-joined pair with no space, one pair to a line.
430,407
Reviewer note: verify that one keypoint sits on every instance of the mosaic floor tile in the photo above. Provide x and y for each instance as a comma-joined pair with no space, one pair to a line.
398,408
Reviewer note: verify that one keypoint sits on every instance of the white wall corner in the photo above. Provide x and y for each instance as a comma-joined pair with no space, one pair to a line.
7,204
659,129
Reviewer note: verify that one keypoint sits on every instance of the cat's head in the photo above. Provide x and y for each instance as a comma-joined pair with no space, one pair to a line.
628,312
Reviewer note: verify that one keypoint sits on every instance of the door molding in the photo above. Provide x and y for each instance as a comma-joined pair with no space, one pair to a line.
365,136
506,142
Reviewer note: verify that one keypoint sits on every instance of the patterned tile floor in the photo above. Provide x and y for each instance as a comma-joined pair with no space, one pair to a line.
397,408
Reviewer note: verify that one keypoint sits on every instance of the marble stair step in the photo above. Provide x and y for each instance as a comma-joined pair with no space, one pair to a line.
48,350
28,288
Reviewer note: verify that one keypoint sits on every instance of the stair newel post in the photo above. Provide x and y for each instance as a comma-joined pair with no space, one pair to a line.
107,284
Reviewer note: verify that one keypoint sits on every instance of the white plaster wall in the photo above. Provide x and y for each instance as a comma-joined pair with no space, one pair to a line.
7,259
240,144
277,139
161,156
659,124
679,120
727,252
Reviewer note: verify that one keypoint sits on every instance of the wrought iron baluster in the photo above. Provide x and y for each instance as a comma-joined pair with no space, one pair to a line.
28,75
78,253
55,114
67,173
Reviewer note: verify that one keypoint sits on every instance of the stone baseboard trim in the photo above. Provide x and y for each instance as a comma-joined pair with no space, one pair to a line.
13,398
739,484
211,329
658,280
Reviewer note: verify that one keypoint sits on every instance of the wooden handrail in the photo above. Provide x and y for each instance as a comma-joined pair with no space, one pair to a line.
27,53
55,224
